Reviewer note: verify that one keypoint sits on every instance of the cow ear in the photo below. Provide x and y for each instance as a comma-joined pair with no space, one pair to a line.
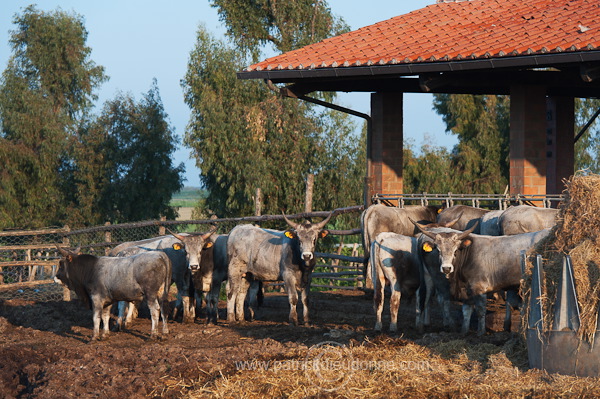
466,243
289,234
177,246
324,233
427,247
208,245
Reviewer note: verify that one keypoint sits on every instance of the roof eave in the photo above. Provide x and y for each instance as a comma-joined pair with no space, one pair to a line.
408,69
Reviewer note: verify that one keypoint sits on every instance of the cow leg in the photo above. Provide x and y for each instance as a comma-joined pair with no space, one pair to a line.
212,303
512,302
378,280
290,286
243,286
106,320
394,305
121,318
154,307
132,313
467,310
163,303
480,307
97,316
304,298
445,304
231,299
251,299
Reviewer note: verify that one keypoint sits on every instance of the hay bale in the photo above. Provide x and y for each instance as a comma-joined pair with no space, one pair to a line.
577,233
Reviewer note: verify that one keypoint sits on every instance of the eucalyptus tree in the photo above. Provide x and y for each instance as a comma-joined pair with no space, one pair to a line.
244,136
479,162
46,90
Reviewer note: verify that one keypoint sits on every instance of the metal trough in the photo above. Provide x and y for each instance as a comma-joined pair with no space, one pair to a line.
559,350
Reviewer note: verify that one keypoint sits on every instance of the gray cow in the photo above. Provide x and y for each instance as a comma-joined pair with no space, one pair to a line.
525,219
395,259
468,216
476,265
185,252
381,218
271,255
212,274
102,281
490,223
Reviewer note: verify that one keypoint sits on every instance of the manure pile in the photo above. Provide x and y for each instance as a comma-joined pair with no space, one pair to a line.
577,233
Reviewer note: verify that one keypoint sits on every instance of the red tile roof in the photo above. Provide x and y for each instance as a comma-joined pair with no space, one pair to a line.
455,30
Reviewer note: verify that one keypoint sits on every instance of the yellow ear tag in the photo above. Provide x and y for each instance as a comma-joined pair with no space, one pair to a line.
440,210
208,245
289,234
427,247
324,233
177,246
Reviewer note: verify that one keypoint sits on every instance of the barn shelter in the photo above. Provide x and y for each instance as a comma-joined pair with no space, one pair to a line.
543,53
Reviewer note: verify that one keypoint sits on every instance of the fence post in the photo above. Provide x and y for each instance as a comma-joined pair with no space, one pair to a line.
161,227
258,202
66,291
310,182
107,238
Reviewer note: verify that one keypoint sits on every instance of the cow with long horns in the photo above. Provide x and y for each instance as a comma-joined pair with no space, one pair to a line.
272,255
185,252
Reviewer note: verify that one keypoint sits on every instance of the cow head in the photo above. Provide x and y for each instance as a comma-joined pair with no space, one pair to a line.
62,274
193,244
306,235
448,244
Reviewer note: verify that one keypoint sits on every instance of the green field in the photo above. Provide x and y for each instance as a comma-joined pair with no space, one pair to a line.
188,197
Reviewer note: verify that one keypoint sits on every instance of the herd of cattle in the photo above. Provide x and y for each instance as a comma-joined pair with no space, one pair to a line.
458,253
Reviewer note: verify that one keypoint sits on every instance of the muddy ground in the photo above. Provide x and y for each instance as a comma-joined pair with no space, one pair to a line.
45,347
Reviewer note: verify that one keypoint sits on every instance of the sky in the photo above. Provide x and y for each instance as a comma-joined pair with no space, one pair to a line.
139,40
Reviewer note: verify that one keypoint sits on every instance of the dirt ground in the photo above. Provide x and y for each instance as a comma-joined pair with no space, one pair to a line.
46,351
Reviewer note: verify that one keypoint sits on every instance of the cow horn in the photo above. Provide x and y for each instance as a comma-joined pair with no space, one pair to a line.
179,237
62,251
465,233
418,226
452,222
212,230
323,222
292,224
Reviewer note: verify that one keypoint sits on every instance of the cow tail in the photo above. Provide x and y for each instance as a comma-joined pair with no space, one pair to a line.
167,278
366,241
373,259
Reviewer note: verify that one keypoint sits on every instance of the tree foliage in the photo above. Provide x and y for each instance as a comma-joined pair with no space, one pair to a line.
480,162
61,164
45,91
285,25
587,148
245,136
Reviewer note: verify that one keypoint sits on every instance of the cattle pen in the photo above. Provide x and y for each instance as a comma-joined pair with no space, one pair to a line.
29,258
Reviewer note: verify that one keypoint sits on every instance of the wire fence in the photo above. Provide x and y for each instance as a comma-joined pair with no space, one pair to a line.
29,259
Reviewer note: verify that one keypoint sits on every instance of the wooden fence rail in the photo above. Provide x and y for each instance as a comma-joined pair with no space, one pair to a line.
31,258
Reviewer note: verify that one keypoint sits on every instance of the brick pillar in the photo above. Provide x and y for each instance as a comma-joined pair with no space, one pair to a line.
528,164
384,174
560,142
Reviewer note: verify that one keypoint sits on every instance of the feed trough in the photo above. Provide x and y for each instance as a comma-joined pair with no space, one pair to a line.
559,349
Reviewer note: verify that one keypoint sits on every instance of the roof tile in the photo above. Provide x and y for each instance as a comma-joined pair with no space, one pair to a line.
454,30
